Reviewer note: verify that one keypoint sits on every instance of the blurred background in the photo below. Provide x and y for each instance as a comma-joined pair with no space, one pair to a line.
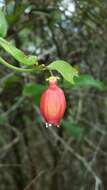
73,157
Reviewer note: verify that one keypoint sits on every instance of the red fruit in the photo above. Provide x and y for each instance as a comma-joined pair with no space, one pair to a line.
53,103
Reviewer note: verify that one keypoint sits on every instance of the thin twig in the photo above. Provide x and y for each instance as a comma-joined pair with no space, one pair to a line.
35,179
98,181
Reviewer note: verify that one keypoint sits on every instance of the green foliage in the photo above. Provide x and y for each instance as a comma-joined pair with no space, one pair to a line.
14,12
55,16
3,24
18,69
66,70
33,90
18,54
53,30
87,81
11,79
73,129
2,119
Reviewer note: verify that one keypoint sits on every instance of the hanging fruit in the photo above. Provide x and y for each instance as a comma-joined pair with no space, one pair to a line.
53,103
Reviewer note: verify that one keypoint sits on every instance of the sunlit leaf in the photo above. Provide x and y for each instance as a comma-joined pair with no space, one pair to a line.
3,25
66,70
18,54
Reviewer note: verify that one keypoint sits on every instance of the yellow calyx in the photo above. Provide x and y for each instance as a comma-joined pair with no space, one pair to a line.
53,78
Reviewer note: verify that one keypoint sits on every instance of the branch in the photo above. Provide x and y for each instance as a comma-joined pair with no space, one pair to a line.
98,181
17,69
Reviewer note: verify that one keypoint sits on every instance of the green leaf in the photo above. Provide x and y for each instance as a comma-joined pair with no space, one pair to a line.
88,81
66,70
8,81
91,24
55,16
18,54
33,90
3,25
2,119
14,13
73,129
